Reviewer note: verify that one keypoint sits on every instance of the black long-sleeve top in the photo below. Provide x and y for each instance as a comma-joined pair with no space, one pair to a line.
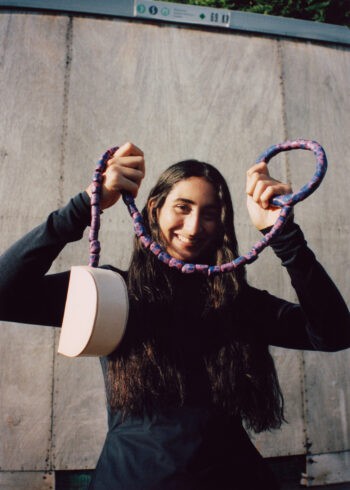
188,447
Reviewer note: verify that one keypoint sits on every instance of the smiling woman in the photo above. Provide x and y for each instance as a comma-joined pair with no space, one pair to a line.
193,368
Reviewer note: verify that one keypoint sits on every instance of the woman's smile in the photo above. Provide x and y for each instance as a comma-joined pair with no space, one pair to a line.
184,239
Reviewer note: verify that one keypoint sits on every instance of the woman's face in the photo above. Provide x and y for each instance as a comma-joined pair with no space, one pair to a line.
189,219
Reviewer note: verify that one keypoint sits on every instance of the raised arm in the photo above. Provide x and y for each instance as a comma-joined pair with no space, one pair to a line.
27,293
321,320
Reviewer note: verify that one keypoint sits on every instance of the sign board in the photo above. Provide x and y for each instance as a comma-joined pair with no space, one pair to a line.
177,12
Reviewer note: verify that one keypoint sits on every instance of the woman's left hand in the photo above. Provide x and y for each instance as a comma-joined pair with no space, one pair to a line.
261,187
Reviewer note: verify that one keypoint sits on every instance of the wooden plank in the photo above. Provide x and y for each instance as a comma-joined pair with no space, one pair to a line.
31,106
317,107
32,63
26,480
25,404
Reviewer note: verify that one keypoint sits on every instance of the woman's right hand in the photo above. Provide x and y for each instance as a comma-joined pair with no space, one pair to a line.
124,172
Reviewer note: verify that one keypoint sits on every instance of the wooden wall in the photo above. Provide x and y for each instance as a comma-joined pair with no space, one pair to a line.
73,86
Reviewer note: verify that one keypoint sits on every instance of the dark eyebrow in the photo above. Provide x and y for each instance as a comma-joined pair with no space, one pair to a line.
189,201
182,199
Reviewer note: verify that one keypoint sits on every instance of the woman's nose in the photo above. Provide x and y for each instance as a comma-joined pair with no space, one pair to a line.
193,224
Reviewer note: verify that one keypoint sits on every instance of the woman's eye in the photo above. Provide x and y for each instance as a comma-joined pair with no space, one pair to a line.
182,208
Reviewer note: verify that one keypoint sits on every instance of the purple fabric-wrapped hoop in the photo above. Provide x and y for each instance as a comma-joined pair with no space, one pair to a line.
285,202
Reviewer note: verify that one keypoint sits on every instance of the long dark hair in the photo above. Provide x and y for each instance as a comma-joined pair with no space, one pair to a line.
152,368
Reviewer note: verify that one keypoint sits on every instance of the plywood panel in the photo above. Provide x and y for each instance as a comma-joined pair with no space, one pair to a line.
31,86
32,65
317,107
26,480
26,391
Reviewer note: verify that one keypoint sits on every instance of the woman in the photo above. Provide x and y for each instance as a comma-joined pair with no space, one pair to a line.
194,363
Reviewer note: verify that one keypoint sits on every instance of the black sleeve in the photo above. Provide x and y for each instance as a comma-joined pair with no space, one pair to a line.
27,294
320,321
